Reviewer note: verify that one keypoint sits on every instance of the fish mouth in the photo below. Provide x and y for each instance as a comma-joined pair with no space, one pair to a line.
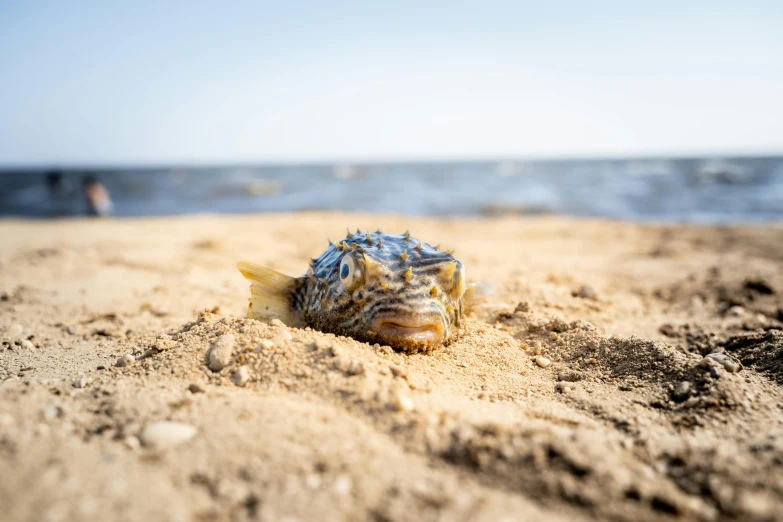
409,331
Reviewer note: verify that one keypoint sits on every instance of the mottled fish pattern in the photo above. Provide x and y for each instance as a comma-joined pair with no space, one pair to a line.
374,287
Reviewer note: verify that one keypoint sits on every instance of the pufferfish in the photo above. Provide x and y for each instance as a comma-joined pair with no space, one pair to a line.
375,287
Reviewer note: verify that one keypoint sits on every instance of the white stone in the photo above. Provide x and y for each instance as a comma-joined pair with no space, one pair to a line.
240,376
125,360
167,434
343,485
220,352
401,402
264,346
52,411
282,337
131,442
542,361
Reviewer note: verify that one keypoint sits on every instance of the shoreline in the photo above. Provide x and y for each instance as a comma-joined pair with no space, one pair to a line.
481,216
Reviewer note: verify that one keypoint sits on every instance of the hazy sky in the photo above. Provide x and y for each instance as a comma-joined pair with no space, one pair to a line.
147,82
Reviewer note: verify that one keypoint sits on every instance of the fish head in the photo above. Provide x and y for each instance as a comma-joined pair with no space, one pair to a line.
389,289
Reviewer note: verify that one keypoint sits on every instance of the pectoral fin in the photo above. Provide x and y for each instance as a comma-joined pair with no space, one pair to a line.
477,294
271,294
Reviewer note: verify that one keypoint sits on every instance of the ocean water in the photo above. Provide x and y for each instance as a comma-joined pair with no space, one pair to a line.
699,190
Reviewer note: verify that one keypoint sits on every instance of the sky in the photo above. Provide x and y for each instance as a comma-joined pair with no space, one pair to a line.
135,83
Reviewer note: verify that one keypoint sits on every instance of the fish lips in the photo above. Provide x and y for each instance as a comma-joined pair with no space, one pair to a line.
404,331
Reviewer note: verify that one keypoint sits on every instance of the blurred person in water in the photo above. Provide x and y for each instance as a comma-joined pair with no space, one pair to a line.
57,183
96,196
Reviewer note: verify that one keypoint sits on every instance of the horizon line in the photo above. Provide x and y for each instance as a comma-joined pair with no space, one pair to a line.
366,161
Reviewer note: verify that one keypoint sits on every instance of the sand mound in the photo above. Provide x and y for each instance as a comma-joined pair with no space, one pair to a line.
595,454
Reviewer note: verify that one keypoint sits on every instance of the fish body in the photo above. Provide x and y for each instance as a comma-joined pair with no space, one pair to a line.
374,287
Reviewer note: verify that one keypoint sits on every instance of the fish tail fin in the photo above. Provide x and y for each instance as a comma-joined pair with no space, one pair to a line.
477,294
271,294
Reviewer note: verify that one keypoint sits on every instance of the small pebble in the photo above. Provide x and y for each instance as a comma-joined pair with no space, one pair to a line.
163,343
220,352
343,485
72,330
167,434
81,382
668,330
585,292
125,360
707,363
240,376
569,376
542,361
27,344
355,367
52,411
728,363
736,311
682,391
282,338
196,388
264,346
401,402
759,505
131,442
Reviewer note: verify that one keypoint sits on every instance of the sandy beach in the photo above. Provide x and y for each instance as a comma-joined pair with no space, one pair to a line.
619,372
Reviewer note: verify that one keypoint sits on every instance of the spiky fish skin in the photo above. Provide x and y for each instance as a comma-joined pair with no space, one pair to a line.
401,277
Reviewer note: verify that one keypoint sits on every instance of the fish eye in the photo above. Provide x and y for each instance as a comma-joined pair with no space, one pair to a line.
350,275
